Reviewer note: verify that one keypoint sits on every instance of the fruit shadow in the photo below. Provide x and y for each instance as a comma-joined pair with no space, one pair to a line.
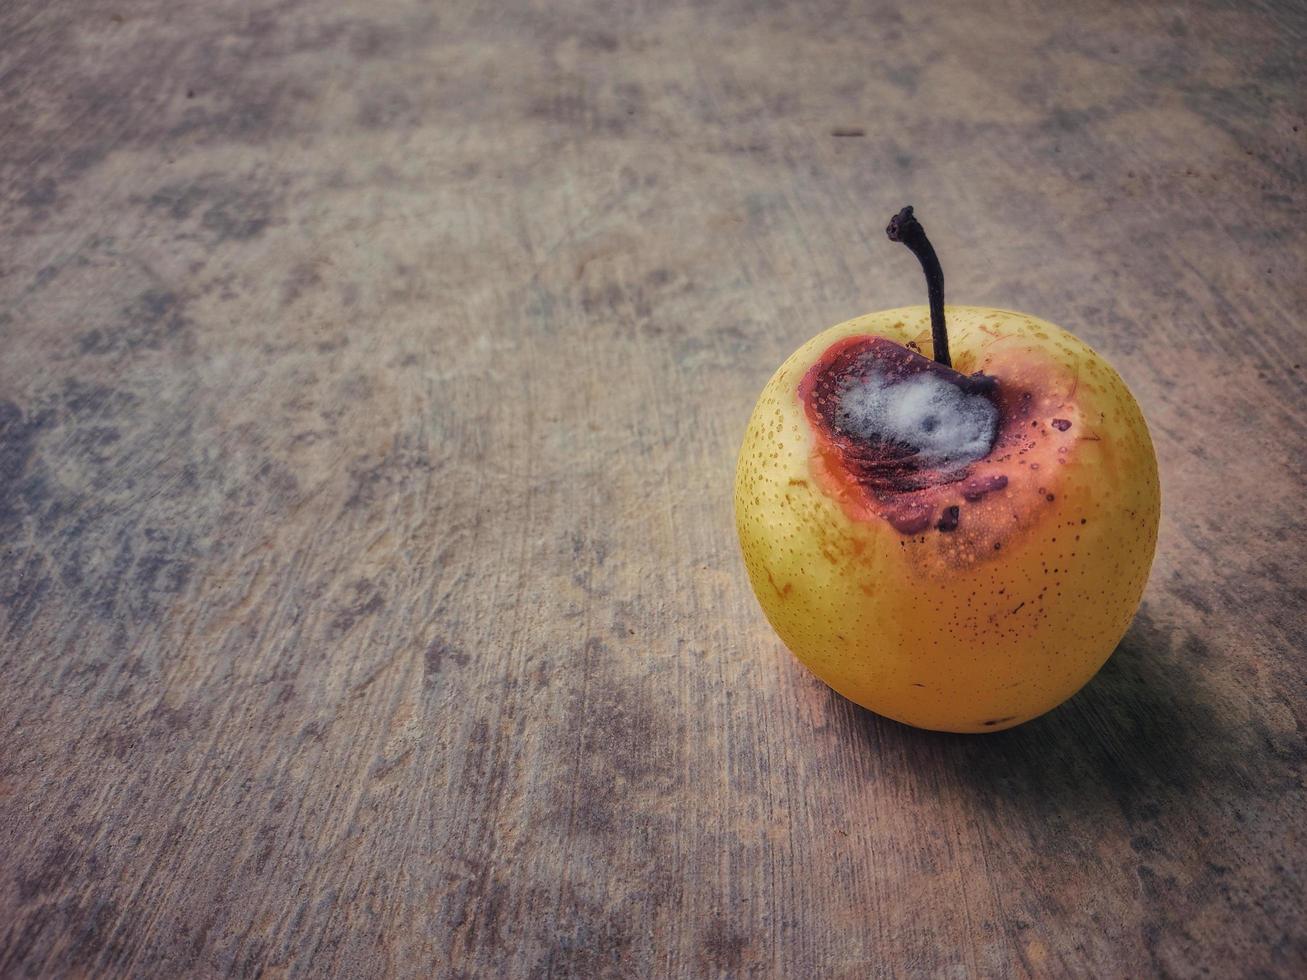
1141,732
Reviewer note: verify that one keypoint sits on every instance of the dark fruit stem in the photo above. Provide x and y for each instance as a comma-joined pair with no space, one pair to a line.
905,228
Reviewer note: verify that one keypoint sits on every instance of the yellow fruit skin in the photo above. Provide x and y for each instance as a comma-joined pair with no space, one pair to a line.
959,634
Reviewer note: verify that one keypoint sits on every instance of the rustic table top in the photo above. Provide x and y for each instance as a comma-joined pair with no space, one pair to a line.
371,384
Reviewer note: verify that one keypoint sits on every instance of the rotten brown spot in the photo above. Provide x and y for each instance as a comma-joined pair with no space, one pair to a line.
975,487
911,517
894,482
883,467
877,478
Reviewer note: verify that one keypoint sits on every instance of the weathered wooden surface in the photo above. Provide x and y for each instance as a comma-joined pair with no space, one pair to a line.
372,378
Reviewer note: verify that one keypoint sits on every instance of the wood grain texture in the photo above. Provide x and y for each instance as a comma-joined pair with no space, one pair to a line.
372,375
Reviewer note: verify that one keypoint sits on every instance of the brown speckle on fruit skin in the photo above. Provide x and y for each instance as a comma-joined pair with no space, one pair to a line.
782,592
1061,424
996,721
949,519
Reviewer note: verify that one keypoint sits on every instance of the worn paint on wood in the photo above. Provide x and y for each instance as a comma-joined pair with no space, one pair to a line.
372,377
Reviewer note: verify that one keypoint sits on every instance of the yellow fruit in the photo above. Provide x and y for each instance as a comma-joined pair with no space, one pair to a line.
959,597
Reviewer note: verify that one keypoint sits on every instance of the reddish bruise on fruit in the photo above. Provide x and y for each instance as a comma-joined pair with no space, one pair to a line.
880,479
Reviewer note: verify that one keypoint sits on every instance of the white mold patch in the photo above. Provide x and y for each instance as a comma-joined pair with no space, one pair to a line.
946,427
